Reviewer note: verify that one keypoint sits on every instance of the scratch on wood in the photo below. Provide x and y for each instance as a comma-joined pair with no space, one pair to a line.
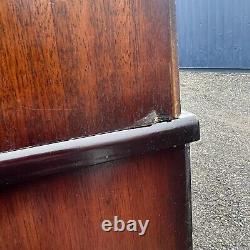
152,118
45,109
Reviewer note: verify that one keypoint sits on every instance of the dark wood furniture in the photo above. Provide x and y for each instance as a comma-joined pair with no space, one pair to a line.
90,125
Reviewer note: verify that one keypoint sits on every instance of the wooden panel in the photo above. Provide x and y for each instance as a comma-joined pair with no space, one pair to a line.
65,212
75,68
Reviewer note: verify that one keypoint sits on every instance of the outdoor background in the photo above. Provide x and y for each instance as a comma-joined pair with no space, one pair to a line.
214,35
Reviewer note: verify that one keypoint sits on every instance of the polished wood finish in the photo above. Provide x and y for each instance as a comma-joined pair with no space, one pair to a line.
24,164
71,68
65,212
84,83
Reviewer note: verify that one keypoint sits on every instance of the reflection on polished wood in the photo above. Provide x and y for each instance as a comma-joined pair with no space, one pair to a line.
25,164
65,212
77,68
92,86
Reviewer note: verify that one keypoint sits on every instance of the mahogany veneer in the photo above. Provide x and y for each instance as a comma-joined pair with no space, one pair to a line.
91,87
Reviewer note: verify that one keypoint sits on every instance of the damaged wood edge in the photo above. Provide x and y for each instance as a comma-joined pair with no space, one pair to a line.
174,72
28,163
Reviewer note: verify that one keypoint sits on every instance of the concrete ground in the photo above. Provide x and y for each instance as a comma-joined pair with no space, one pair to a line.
221,159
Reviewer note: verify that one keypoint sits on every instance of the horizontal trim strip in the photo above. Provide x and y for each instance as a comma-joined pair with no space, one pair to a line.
57,157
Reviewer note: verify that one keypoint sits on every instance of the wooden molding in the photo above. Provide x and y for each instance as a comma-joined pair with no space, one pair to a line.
27,163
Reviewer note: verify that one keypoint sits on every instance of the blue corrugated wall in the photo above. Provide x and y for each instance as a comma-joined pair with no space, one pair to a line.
214,33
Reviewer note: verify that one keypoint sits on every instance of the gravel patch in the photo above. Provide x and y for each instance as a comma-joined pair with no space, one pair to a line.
221,159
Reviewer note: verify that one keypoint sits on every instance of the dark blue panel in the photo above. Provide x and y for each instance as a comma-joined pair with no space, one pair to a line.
214,33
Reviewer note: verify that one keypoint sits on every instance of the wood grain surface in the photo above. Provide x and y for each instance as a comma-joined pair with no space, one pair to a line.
71,68
25,164
74,68
65,212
